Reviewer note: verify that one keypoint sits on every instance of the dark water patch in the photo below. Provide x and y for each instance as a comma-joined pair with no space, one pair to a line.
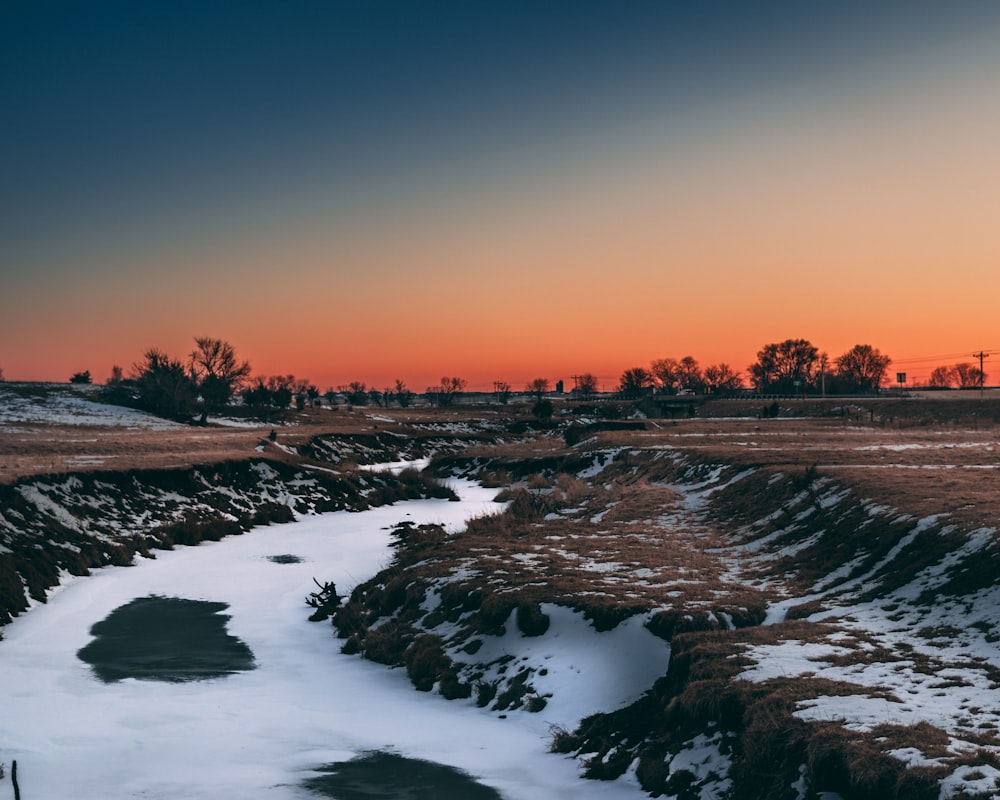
165,639
387,776
285,558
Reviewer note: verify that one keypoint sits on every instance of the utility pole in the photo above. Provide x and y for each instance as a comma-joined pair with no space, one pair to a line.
981,355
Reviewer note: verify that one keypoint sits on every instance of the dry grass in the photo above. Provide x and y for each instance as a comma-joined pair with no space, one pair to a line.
35,449
627,541
945,467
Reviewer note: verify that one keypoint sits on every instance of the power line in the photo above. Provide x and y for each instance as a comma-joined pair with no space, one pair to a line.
944,357
981,355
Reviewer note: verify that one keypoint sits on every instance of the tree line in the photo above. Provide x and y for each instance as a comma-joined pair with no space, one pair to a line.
793,366
212,376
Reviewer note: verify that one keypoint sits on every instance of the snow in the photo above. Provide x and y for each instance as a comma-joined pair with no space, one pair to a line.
80,406
704,759
396,467
602,459
585,671
67,405
260,733
970,779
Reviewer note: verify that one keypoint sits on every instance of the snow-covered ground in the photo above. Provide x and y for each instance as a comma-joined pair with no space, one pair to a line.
81,406
58,404
261,733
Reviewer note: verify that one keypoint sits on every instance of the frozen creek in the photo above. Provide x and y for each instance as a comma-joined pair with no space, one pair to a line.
261,733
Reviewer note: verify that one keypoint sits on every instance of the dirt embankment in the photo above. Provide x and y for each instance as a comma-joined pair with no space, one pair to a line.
736,561
74,523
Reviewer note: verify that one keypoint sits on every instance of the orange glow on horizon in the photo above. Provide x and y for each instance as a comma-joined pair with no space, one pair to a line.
870,218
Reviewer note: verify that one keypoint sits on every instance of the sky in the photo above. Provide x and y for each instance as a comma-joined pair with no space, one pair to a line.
496,191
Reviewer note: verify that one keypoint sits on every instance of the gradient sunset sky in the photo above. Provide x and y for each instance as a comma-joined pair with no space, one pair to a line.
497,191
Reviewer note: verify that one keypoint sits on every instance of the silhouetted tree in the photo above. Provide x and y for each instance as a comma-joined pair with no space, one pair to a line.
721,378
503,392
403,395
270,397
689,375
943,377
965,376
635,382
780,365
80,377
282,390
217,372
862,368
356,393
444,393
164,387
969,376
257,395
118,390
537,388
586,385
666,371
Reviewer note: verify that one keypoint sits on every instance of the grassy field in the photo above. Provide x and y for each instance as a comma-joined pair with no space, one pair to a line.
825,578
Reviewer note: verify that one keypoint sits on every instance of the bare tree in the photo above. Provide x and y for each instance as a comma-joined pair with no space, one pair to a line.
969,376
965,376
667,371
502,389
943,377
537,388
282,390
403,395
689,375
217,372
635,382
863,367
586,385
356,393
721,378
445,392
782,365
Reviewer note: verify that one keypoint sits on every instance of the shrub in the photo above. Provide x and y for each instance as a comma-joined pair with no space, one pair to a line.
543,410
387,643
531,621
425,661
349,621
494,611
485,692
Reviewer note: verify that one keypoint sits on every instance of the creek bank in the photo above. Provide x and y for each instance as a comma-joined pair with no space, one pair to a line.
56,525
768,562
867,594
259,733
